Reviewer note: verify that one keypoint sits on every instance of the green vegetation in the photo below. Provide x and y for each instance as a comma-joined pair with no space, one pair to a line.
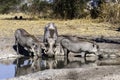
69,9
62,9
7,5
65,9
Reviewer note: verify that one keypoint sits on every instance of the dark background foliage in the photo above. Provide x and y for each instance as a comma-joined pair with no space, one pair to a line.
62,9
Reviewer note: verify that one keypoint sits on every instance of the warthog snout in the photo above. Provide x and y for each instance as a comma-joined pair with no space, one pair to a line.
49,52
50,47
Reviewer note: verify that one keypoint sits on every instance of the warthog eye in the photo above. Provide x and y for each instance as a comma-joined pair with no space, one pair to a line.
54,45
33,44
46,45
36,46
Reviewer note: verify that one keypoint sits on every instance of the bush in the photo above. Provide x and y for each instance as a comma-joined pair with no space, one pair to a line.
110,12
68,9
40,8
7,5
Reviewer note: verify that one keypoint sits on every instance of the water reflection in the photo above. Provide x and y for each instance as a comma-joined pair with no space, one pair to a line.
23,66
26,65
31,65
109,62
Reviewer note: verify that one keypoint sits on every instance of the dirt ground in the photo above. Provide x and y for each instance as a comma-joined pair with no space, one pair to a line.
79,27
109,42
91,73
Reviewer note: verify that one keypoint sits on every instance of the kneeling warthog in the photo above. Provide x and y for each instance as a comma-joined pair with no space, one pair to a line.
29,42
78,46
50,38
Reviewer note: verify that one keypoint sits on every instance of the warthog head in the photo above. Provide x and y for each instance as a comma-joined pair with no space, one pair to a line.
37,48
50,47
96,51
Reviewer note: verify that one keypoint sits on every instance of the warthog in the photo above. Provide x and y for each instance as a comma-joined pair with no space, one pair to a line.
28,41
59,50
50,38
78,46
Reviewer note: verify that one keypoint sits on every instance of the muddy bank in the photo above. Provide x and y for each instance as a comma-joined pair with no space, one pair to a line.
6,48
109,45
94,73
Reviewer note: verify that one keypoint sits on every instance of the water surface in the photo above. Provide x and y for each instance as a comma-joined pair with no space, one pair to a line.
21,66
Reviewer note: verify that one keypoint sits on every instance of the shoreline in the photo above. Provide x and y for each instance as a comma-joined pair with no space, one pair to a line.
91,73
105,72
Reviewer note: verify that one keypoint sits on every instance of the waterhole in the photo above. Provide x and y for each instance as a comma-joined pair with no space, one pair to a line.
15,67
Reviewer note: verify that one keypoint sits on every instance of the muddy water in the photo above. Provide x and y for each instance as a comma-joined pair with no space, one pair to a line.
21,66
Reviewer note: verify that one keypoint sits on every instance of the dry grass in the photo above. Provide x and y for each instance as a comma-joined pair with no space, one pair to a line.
110,12
79,27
